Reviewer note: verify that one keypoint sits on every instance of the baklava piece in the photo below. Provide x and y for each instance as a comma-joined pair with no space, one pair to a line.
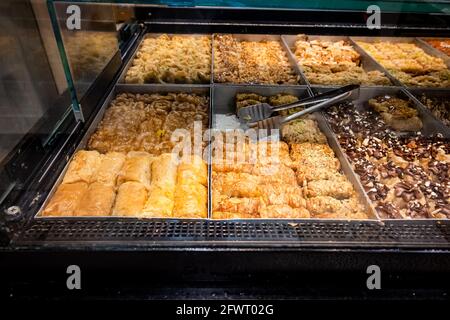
397,113
251,62
334,63
66,199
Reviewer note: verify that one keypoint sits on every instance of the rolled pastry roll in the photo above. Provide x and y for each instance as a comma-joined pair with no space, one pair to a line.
191,201
97,201
130,199
192,170
109,168
136,168
159,204
164,172
219,215
66,199
82,167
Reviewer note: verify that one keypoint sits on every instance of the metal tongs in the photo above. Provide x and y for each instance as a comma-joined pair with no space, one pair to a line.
259,113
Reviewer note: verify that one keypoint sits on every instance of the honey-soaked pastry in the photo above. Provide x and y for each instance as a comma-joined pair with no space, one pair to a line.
164,171
219,215
83,167
258,62
66,199
234,184
97,201
334,62
281,194
191,201
136,168
409,63
284,211
130,199
192,170
321,205
172,59
159,204
145,122
109,168
246,206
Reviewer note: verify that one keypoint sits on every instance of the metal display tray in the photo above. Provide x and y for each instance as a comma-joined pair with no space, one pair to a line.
367,62
432,93
261,37
155,35
431,126
224,103
126,88
421,44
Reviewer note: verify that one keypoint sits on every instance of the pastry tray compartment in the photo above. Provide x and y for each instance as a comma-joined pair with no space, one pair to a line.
431,126
224,107
156,35
421,44
198,89
260,37
367,62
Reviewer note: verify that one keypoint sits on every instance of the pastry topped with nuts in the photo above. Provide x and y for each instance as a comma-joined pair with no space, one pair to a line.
397,113
404,177
334,62
252,62
409,63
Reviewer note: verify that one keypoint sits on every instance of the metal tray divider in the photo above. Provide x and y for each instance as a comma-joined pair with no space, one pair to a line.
260,37
360,50
298,67
210,125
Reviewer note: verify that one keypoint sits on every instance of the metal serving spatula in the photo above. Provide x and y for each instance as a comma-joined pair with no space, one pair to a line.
261,111
277,121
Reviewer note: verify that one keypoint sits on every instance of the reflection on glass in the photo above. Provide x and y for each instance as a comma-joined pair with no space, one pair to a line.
89,45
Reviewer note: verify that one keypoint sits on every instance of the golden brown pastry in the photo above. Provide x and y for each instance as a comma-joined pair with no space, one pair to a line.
109,168
97,201
136,168
246,206
159,204
338,187
192,170
283,211
82,167
191,201
130,199
164,171
66,199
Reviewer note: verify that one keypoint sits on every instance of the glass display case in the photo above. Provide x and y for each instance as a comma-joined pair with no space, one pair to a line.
136,129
